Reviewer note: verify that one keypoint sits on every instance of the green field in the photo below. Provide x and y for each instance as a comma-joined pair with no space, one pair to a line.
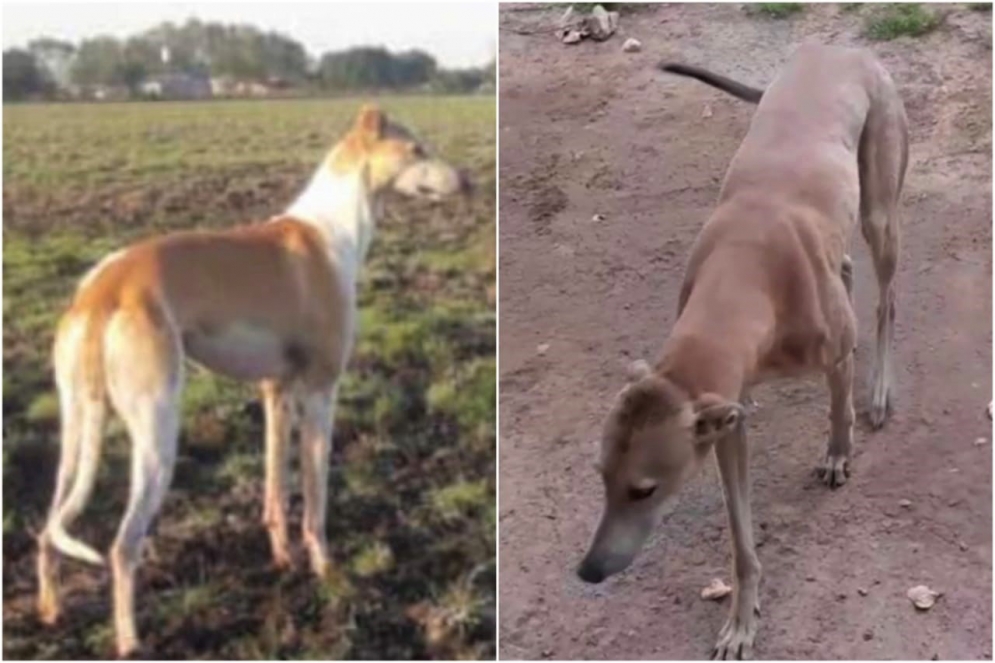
411,512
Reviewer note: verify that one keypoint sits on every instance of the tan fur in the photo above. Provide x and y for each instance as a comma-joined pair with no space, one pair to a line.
767,294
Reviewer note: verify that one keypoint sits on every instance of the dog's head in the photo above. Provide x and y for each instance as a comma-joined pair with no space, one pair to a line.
390,156
654,440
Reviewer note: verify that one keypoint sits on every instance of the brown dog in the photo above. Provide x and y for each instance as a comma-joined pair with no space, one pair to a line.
767,293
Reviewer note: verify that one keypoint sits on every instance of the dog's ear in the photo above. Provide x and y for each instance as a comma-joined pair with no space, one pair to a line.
715,417
637,370
370,121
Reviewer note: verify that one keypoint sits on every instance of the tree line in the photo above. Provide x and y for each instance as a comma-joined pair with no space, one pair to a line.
244,53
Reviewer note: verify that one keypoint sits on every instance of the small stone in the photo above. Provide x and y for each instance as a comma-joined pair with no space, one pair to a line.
922,597
572,37
601,24
862,591
707,112
963,546
905,504
716,590
868,634
632,45
542,349
981,441
598,217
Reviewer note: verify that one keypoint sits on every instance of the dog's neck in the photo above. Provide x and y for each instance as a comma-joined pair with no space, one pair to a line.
343,209
700,363
714,348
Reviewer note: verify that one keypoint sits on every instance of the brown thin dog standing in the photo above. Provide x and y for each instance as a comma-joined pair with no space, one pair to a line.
767,293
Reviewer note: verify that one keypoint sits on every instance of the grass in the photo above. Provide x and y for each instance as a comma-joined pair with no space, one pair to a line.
900,20
979,6
775,9
411,496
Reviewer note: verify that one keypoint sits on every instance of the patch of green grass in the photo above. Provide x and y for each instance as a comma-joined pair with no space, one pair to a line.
461,499
375,558
44,409
469,397
900,20
775,9
851,6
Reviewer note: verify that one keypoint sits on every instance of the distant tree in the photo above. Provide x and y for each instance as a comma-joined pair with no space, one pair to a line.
22,76
374,67
413,68
99,61
239,51
55,56
460,81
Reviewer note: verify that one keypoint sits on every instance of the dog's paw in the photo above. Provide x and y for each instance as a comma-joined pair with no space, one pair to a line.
835,470
881,406
736,637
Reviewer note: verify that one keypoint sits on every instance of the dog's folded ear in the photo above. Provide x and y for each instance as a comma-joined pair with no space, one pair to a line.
715,417
370,120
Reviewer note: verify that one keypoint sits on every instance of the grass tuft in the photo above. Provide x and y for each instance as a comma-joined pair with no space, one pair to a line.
900,20
775,10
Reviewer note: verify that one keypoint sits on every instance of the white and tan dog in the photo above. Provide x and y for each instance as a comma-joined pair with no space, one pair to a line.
271,303
767,293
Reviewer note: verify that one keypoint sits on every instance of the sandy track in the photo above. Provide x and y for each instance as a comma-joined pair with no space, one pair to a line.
590,130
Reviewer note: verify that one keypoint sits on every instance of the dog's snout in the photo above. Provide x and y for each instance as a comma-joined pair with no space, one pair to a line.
590,573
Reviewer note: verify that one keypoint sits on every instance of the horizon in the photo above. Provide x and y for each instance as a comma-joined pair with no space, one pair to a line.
466,37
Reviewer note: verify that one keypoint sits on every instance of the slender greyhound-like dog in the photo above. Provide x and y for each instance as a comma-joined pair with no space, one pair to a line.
767,293
272,303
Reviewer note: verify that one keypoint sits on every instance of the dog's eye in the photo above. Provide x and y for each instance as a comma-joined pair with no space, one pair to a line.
636,494
417,151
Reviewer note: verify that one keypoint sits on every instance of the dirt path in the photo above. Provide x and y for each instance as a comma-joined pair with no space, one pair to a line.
590,130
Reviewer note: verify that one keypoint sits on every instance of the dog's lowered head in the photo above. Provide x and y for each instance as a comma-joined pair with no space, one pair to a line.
655,439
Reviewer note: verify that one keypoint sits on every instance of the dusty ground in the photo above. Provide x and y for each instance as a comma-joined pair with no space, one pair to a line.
590,130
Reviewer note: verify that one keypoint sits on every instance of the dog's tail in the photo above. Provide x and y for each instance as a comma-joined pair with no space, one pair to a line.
744,92
82,402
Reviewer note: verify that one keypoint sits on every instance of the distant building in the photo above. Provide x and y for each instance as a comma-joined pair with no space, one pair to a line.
177,85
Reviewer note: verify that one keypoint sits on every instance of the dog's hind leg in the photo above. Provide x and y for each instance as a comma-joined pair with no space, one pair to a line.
316,442
279,404
883,156
145,375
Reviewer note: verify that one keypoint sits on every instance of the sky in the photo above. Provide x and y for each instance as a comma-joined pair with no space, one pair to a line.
457,34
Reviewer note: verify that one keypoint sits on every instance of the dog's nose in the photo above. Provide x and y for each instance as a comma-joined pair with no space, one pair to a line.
590,573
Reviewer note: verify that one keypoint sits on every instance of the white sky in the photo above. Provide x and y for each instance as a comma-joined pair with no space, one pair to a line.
457,34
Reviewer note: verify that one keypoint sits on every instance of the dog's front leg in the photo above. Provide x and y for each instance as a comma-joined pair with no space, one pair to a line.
316,442
836,467
736,637
277,402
